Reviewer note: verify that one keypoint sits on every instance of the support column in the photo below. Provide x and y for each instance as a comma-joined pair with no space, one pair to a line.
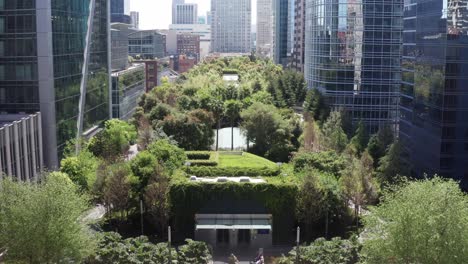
26,153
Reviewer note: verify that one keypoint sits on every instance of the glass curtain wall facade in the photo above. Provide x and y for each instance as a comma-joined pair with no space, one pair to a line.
265,28
127,87
69,30
353,55
120,11
18,57
148,44
281,31
434,94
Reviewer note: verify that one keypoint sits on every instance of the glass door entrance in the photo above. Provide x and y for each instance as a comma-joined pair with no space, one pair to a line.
243,236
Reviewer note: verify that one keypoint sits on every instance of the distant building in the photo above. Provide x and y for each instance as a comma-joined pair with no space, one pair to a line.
231,26
208,18
281,31
53,63
201,20
119,46
188,44
299,36
152,73
135,16
120,11
21,149
204,31
264,28
127,87
148,44
182,63
184,13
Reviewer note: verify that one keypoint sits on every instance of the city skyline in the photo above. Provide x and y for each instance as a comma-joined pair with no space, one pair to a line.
158,15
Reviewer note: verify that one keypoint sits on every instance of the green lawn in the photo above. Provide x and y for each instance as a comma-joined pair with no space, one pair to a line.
245,160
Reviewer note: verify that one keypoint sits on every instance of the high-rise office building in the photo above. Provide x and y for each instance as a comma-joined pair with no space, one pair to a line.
183,13
281,31
231,26
59,66
297,60
188,44
208,18
135,16
147,44
353,55
434,93
265,28
120,11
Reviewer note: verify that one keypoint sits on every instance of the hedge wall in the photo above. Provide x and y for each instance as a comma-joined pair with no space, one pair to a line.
202,158
279,197
213,171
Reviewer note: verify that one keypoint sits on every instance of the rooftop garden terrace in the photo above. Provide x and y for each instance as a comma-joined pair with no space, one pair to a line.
228,164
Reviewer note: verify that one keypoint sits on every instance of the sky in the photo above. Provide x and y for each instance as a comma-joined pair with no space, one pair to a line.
157,14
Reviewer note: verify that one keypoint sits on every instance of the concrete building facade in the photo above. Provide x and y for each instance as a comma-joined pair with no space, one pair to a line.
297,61
188,44
185,13
204,31
135,16
21,149
231,26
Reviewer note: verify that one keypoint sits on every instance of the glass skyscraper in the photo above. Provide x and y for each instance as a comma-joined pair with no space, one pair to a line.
281,31
120,11
353,55
434,94
54,58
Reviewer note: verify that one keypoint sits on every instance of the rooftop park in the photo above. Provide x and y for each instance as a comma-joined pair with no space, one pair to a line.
319,170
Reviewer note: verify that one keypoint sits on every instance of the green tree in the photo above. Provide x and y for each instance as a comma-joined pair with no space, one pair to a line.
322,251
143,166
379,143
194,252
232,110
41,223
114,141
265,127
359,142
424,221
315,104
81,169
309,203
333,135
169,155
359,186
392,164
118,189
114,249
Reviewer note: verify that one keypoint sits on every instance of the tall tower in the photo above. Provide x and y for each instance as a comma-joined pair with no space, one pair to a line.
120,11
184,13
434,92
299,36
352,55
57,68
265,28
231,26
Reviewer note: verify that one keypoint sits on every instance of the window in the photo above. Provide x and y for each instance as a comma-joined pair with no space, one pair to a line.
2,4
2,47
2,72
2,93
2,24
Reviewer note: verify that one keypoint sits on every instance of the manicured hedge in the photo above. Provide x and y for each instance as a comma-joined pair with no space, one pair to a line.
328,161
200,162
207,171
186,198
198,155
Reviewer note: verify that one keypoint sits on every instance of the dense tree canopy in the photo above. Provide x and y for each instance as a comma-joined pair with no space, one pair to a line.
420,222
41,223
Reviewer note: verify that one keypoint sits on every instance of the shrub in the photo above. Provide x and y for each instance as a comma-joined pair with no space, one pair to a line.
328,161
194,252
198,155
172,157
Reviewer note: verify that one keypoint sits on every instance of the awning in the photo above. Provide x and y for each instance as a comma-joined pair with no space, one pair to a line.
236,224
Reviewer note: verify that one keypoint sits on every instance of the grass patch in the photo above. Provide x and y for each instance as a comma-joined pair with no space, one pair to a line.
246,160
232,164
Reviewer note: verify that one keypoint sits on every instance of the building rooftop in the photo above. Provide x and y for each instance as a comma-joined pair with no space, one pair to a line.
8,119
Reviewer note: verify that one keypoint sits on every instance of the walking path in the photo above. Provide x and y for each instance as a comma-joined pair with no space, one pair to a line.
245,255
